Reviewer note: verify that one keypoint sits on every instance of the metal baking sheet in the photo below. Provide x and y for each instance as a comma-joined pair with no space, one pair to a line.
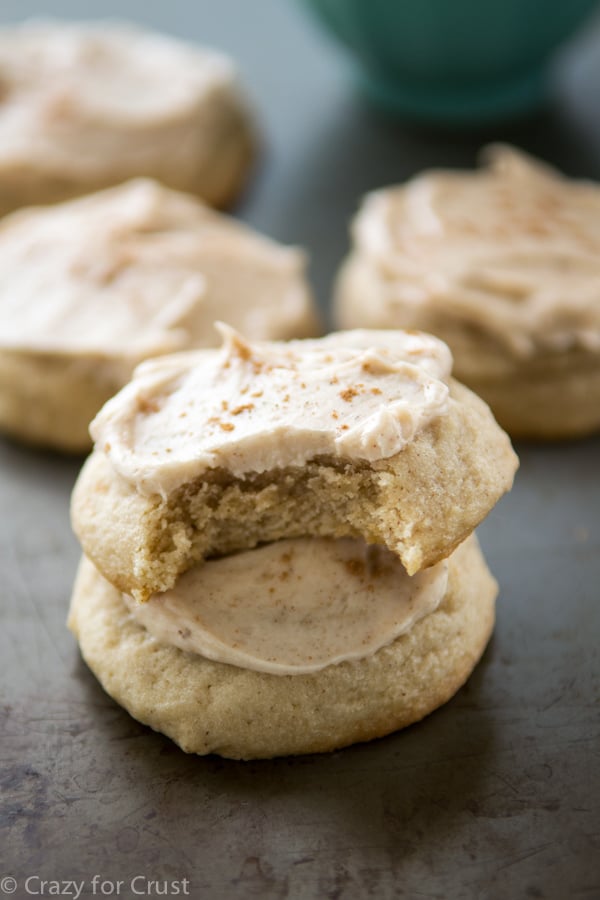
496,795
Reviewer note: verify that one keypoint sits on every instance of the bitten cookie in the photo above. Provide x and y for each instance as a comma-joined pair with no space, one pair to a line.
91,287
504,265
208,706
359,434
86,106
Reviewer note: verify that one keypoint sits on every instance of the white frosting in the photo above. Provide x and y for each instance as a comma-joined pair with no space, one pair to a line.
250,407
293,606
513,249
139,270
92,97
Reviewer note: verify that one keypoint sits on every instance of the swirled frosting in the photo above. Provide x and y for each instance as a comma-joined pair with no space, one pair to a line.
292,606
254,406
513,249
140,270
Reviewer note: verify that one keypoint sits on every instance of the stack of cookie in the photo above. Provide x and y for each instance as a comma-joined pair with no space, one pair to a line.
278,539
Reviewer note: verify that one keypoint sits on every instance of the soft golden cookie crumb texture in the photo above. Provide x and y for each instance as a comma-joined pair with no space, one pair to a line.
421,503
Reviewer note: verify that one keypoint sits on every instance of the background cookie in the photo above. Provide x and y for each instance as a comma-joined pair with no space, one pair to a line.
502,264
85,106
92,286
209,707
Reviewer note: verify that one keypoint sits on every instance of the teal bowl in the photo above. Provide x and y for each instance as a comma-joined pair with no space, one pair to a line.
453,60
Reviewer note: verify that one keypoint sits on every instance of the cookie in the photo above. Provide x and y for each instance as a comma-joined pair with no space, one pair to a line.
503,265
359,434
208,706
89,105
95,285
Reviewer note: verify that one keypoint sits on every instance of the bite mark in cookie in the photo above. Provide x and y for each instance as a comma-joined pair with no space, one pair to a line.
414,468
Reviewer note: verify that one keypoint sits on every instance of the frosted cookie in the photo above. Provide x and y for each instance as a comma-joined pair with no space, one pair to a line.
86,106
297,647
91,287
504,265
359,434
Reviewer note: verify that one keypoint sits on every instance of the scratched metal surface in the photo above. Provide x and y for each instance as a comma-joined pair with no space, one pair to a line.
496,795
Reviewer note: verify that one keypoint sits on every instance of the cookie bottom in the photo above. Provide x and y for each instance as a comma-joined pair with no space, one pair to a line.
49,399
559,404
209,707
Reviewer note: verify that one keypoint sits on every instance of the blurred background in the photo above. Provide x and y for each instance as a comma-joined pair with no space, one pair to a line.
325,143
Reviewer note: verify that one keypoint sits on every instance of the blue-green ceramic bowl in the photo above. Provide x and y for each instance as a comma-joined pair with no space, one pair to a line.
453,60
